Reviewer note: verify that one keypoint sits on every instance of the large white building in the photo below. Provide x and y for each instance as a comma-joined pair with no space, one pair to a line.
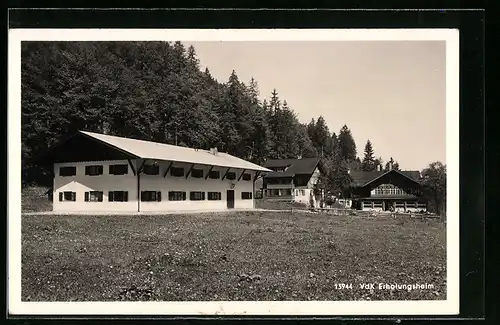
102,173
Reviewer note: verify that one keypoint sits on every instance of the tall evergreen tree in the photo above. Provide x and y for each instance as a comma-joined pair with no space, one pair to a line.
346,144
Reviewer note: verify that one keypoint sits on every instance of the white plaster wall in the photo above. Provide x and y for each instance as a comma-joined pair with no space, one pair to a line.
171,183
303,198
81,183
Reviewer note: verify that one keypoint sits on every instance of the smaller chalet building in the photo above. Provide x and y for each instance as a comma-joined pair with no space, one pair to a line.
292,180
102,173
387,190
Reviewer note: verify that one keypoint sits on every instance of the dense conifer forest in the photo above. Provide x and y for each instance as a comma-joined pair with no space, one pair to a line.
156,91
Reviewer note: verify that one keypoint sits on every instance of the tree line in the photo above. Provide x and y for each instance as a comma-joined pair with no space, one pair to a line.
157,91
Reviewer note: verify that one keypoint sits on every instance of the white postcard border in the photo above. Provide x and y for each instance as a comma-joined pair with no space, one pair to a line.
450,306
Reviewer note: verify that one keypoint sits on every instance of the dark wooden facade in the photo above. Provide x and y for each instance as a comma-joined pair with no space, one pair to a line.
386,191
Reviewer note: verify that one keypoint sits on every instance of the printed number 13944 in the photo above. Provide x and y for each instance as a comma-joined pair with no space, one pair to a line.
343,285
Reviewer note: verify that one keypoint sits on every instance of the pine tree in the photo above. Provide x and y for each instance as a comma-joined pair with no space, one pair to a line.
322,138
347,144
368,163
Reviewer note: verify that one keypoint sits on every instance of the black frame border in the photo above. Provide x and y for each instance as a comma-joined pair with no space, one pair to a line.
470,23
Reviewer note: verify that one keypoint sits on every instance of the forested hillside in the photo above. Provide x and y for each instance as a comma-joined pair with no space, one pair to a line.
156,91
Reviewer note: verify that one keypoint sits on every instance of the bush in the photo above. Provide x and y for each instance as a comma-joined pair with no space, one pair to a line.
36,199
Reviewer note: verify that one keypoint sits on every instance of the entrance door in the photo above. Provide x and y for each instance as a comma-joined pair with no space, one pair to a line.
388,205
230,199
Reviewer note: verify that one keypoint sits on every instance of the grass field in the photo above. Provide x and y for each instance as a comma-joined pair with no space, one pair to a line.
229,256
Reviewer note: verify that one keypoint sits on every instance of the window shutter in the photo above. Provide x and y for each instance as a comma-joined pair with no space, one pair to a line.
101,171
125,196
86,196
111,196
61,196
158,196
184,196
100,196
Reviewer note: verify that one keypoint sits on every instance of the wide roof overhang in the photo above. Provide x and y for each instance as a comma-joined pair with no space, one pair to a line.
82,146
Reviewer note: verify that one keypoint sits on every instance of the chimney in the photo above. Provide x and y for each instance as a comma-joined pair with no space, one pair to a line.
213,151
390,165
299,157
348,171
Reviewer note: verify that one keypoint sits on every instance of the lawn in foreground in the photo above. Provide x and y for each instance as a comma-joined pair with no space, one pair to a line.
229,256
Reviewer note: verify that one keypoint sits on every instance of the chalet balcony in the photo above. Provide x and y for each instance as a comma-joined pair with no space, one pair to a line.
393,196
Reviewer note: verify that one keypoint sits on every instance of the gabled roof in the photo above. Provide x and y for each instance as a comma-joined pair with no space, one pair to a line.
362,178
160,151
304,166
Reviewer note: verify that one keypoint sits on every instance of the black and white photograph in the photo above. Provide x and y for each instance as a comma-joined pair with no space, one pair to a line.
232,172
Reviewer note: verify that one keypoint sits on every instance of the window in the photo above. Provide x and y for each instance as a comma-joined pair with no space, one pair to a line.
176,196
197,173
177,171
93,196
214,196
197,196
93,170
231,175
246,195
67,196
150,196
118,196
303,192
118,169
67,171
247,177
214,174
151,169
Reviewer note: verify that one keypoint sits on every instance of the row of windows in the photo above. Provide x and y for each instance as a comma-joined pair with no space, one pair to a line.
95,170
122,169
397,204
284,192
148,196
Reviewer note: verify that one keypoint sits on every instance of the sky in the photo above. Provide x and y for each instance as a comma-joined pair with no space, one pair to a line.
391,92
